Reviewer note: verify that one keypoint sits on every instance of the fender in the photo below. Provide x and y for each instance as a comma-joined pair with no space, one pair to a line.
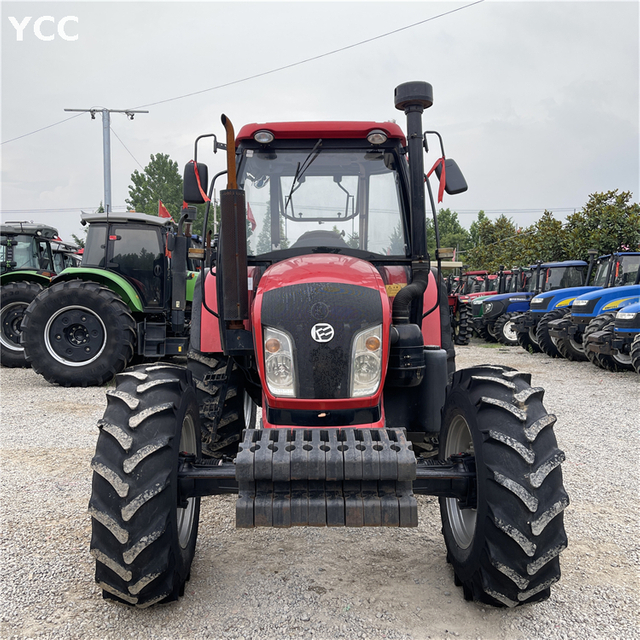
109,279
38,277
205,327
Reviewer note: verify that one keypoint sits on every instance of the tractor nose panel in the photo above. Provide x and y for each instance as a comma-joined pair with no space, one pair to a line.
322,319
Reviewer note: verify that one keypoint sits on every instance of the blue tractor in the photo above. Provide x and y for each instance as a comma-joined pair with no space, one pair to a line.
612,341
509,317
623,278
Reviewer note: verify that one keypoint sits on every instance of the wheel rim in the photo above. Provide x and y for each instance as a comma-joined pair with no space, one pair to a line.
576,346
10,321
532,335
509,332
186,516
462,521
622,358
75,336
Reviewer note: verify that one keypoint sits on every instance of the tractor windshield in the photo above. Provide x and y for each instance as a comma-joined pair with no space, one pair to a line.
626,270
26,252
564,277
601,270
334,198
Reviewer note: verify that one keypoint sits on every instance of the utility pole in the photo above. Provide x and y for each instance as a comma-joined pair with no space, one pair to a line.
106,145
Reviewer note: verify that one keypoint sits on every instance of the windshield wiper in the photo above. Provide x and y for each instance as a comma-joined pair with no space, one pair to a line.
300,171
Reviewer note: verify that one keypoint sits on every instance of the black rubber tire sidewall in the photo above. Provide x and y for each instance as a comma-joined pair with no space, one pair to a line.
101,302
19,293
163,556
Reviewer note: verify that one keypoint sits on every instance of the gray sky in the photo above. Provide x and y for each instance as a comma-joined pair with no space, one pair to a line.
537,101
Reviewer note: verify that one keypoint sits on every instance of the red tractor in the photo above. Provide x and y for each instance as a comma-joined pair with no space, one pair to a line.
471,285
317,304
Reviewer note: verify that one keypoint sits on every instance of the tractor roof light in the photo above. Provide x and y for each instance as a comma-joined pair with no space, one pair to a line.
263,136
377,136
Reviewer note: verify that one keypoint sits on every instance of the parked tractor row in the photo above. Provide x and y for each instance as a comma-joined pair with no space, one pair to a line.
574,311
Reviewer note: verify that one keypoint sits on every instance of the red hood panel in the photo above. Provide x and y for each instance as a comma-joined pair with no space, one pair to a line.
321,268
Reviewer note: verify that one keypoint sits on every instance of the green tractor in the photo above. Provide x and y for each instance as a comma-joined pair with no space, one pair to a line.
30,255
126,302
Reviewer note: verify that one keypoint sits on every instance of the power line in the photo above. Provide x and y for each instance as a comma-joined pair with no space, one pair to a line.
24,135
322,55
125,146
266,73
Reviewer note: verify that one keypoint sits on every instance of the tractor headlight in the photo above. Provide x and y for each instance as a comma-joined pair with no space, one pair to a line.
278,363
626,315
580,303
366,362
487,306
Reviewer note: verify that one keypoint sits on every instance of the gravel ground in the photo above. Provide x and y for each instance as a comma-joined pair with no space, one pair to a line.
311,583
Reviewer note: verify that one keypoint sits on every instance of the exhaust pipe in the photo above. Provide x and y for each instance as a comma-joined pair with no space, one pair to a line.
233,291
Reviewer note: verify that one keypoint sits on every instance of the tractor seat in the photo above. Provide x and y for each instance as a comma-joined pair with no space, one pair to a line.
319,239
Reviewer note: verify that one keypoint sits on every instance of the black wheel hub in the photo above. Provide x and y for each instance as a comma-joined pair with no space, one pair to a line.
76,335
11,325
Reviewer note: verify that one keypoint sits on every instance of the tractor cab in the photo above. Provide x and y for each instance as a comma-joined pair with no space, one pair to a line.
133,245
26,246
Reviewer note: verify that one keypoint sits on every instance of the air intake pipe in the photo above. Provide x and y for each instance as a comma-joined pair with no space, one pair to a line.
401,313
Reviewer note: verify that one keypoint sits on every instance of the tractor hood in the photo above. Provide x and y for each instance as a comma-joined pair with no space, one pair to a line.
315,321
558,298
603,300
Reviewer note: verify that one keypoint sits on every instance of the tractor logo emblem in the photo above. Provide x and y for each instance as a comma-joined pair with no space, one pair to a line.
322,332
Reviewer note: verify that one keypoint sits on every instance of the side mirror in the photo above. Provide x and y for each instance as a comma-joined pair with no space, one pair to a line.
455,180
196,180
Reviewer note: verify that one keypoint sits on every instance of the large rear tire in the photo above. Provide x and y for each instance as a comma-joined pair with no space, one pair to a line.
143,542
545,341
226,408
78,334
15,297
506,550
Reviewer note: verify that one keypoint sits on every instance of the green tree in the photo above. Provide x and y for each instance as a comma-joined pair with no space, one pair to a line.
544,240
452,233
607,222
160,180
496,243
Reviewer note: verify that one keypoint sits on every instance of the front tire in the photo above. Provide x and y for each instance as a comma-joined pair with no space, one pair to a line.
78,334
15,297
143,542
635,353
506,550
545,341
462,325
505,331
528,341
610,362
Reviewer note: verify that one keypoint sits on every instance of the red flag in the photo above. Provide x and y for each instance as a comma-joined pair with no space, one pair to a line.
250,218
162,210
443,176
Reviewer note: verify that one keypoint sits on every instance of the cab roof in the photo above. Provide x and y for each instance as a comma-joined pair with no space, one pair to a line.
315,130
28,228
128,216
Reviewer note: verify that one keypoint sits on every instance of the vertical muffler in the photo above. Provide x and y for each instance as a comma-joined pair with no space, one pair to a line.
232,250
